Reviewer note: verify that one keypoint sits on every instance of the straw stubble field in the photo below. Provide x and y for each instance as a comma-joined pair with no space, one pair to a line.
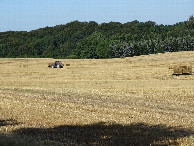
126,101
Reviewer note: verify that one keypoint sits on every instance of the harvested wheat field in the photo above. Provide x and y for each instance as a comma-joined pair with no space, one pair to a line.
130,101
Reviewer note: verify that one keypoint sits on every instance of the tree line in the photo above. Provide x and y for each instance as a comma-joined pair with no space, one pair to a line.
92,40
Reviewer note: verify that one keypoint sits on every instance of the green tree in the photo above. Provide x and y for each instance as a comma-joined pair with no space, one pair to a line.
103,49
3,50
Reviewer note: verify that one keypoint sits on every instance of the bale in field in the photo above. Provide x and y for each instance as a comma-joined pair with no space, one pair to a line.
24,65
182,70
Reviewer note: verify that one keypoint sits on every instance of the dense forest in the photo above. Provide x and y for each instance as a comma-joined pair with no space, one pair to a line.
92,40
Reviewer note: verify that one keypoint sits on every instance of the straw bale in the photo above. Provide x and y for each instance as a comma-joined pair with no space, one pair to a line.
182,69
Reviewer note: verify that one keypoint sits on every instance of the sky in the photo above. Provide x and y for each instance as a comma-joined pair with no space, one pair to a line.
27,15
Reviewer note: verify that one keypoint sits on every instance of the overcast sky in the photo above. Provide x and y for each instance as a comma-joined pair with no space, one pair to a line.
26,15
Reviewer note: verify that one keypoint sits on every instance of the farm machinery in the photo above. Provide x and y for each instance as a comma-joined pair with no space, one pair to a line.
56,64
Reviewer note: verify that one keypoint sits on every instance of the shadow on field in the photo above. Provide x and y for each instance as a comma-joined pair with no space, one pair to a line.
8,122
6,140
104,134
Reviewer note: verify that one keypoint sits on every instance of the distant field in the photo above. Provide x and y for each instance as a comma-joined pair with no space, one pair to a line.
126,101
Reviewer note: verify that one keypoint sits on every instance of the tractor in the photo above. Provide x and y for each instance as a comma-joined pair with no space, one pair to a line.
57,64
